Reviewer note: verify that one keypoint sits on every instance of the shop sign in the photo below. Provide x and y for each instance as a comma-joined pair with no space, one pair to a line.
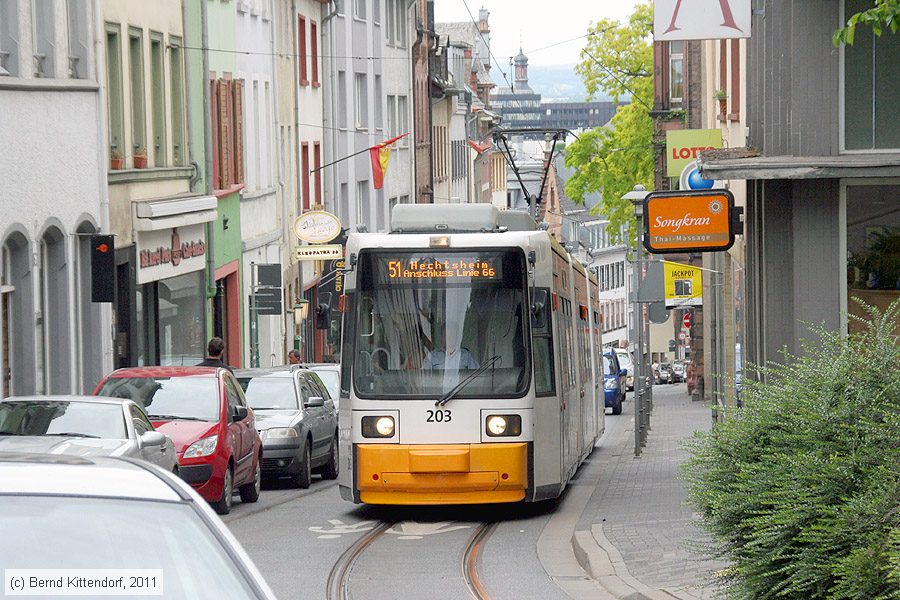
319,252
691,20
683,146
317,227
170,252
684,287
689,221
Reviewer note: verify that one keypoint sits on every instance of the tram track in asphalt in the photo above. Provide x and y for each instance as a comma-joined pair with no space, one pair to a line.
338,586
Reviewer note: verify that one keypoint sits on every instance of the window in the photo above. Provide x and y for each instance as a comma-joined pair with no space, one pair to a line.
400,26
304,174
363,214
176,87
345,203
114,91
871,86
359,9
392,115
255,132
301,49
43,17
317,165
76,20
9,39
362,102
676,71
390,22
376,11
138,115
402,120
158,99
379,108
314,59
342,99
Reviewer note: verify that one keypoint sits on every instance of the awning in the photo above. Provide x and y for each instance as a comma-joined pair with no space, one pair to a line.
721,167
174,211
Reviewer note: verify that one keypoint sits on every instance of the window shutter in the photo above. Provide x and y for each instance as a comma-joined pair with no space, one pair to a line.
225,145
239,131
216,150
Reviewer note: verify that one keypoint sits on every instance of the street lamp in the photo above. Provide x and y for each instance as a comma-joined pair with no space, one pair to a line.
301,309
636,196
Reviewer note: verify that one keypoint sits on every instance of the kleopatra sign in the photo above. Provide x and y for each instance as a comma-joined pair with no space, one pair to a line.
690,221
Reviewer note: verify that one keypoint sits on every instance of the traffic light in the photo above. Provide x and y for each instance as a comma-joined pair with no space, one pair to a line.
323,316
103,268
671,345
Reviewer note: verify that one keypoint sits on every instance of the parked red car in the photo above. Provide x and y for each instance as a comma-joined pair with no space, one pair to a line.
204,411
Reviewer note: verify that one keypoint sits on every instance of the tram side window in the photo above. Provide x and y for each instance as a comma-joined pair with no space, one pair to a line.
542,334
347,347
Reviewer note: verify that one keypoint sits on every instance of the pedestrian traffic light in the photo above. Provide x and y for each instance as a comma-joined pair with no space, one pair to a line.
671,345
103,268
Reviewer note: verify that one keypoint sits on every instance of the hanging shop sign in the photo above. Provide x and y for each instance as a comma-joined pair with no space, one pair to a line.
677,20
689,221
684,287
317,227
168,253
683,147
319,252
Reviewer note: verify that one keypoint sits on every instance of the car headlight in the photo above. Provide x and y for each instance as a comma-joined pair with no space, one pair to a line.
378,427
611,384
203,447
503,425
281,433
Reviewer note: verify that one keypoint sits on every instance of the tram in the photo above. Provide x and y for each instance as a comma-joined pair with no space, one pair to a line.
470,367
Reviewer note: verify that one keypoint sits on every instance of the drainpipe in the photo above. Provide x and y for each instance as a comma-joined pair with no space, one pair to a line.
207,149
191,130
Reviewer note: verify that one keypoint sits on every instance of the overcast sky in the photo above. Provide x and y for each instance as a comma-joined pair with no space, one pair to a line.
539,23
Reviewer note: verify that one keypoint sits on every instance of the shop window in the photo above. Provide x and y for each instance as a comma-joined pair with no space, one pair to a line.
181,307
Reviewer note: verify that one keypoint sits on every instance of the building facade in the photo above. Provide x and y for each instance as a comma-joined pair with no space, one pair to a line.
54,197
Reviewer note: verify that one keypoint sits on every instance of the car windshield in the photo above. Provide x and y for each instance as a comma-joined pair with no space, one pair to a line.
332,380
40,417
608,366
624,359
192,397
91,533
270,392
425,322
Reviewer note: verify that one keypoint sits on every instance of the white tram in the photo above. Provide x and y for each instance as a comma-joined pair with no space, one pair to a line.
471,356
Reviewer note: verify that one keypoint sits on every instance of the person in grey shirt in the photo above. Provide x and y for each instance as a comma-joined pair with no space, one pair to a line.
451,355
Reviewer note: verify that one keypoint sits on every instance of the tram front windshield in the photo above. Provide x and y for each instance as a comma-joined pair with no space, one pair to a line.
425,321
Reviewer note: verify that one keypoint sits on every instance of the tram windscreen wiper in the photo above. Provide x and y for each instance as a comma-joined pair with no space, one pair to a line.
459,386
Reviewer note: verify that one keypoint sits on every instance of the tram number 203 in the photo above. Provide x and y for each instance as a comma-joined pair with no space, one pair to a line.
438,416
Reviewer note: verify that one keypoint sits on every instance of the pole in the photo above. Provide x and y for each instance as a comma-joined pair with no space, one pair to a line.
254,321
641,381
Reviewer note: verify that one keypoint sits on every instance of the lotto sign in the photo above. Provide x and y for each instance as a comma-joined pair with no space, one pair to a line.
684,287
683,146
689,221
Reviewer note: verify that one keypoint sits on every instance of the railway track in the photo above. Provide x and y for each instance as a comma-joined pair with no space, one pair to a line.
338,586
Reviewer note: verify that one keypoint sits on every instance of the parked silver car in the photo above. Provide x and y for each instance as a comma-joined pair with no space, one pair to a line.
296,420
115,514
330,374
83,426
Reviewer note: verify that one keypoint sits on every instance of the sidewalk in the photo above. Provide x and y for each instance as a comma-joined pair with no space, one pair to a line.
634,534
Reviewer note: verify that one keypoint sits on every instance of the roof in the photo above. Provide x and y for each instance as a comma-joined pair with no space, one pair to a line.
278,371
799,167
39,474
164,371
459,31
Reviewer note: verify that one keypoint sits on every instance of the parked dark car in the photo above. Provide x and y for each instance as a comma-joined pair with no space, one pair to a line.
296,421
204,411
613,382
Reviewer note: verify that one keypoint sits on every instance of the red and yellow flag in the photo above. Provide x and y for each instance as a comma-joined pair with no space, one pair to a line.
380,155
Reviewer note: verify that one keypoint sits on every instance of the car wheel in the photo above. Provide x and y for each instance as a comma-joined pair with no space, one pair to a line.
250,491
304,477
330,470
617,407
223,504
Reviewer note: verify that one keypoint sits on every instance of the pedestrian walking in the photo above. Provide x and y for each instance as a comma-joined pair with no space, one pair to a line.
215,351
293,357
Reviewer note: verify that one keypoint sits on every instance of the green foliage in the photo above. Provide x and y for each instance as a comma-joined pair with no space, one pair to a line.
885,14
617,60
800,488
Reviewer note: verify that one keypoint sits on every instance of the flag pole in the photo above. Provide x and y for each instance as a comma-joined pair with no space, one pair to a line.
349,156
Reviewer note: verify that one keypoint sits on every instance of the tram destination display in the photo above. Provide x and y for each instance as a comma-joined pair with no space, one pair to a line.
450,267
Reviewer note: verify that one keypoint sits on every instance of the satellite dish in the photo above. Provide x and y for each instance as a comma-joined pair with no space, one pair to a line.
691,179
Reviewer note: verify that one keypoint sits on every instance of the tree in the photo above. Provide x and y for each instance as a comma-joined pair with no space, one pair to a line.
617,60
885,13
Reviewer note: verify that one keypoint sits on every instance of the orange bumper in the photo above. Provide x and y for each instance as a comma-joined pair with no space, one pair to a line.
442,474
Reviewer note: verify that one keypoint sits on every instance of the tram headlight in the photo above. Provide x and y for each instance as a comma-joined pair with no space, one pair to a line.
504,425
378,427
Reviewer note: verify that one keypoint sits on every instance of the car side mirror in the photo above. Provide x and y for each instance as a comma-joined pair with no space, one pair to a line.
240,413
538,308
152,438
314,402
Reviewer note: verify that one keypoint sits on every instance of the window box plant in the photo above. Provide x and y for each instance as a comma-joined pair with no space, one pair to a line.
140,157
116,161
722,97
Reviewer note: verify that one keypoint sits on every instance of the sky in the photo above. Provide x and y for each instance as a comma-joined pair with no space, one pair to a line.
539,23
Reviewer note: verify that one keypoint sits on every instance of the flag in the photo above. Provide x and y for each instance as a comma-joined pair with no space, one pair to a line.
380,155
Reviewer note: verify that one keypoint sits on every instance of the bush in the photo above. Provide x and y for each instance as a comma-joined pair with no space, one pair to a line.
800,488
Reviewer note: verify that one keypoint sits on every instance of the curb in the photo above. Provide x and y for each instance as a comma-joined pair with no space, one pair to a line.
602,562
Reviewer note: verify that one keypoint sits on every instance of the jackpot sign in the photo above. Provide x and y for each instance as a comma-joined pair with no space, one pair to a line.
689,221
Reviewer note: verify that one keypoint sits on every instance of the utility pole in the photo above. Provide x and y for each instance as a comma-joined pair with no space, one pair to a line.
641,380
